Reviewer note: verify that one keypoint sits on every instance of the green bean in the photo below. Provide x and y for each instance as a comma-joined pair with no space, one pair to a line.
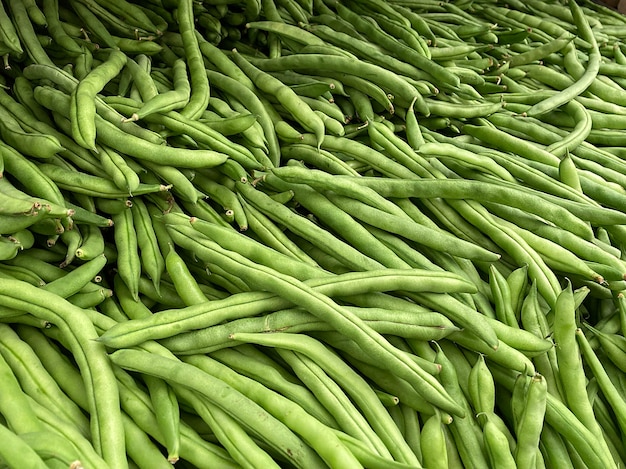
343,321
528,429
82,105
413,133
175,178
534,320
225,196
23,273
350,420
247,304
465,431
167,414
55,28
128,262
200,90
362,105
68,83
468,158
99,20
554,449
386,383
505,141
283,29
541,52
90,299
396,86
84,183
16,409
608,389
141,449
184,283
82,447
413,231
26,33
323,160
253,104
585,79
16,202
8,34
354,354
579,134
569,360
397,48
137,404
31,143
143,84
129,308
56,363
117,168
96,371
364,49
387,187
271,235
568,173
397,188
16,451
9,248
233,402
171,100
229,432
23,94
482,391
378,419
135,146
303,227
250,248
557,257
300,111
497,446
254,363
152,261
342,222
432,442
201,132
216,337
78,278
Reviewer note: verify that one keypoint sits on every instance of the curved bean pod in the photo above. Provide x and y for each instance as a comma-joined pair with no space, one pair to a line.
79,331
82,100
200,89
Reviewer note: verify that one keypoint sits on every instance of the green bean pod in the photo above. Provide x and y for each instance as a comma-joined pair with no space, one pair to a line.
481,388
231,400
82,105
78,278
497,446
528,428
171,100
433,443
111,135
8,33
608,388
167,414
128,259
16,451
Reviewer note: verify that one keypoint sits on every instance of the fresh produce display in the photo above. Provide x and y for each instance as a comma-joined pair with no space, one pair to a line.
312,233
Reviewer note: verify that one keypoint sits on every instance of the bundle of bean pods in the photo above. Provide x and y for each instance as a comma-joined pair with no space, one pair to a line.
312,233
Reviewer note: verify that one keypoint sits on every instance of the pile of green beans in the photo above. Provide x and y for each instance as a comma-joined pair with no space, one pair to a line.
312,234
